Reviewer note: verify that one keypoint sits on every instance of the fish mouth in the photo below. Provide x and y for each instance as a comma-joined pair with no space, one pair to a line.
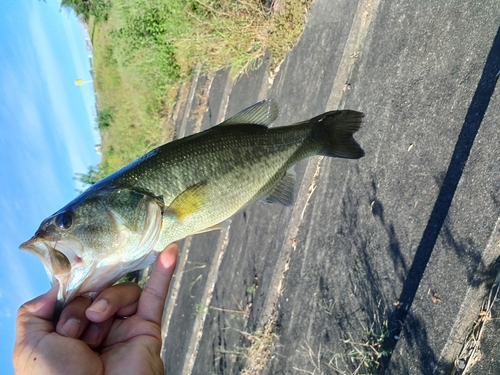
63,263
60,260
55,262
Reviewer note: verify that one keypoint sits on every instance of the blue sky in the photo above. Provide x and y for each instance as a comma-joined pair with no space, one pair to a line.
47,135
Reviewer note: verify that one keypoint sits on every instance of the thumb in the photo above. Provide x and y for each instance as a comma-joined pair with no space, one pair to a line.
33,324
39,309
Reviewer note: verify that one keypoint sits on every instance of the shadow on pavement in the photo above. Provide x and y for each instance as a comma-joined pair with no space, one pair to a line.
470,128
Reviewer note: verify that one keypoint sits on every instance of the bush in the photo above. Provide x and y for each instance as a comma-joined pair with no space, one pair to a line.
104,118
99,9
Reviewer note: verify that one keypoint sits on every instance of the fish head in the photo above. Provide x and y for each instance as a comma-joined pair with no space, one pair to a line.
96,239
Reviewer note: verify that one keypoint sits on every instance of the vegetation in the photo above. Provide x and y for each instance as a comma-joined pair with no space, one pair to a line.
359,358
87,8
144,49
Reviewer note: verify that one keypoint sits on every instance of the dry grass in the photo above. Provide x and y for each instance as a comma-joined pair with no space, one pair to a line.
237,33
360,356
261,348
471,353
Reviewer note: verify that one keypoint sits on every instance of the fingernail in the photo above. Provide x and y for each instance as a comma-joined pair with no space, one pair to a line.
71,328
99,307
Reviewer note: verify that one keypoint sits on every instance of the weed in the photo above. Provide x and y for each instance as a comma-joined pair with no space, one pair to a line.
328,306
366,355
256,356
104,118
361,358
251,289
200,308
233,314
193,283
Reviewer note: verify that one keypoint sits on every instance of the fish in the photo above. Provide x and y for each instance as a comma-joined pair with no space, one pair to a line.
188,186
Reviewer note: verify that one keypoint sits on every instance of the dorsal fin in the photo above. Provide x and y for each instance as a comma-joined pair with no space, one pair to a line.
263,114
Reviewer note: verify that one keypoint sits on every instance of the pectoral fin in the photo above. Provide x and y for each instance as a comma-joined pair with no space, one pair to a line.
188,202
283,193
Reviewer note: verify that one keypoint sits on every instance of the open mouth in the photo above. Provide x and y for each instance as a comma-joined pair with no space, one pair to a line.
54,260
59,259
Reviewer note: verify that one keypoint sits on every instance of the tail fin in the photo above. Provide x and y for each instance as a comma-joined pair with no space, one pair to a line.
336,129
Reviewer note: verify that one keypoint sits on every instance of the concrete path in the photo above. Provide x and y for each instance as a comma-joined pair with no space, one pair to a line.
383,263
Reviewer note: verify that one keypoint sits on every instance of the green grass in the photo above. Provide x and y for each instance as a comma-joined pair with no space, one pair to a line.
129,101
144,50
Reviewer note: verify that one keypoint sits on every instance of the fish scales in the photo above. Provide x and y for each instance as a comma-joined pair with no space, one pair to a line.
225,157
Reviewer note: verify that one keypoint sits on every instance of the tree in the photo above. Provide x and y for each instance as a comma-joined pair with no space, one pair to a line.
89,178
86,8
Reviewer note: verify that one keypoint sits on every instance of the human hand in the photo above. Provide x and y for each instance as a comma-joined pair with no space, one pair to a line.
94,337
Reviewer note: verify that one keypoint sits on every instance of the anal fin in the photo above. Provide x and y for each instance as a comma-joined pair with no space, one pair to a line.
284,192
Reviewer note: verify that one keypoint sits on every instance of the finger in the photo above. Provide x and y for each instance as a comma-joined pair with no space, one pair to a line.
95,333
128,310
42,306
153,296
35,316
118,298
73,321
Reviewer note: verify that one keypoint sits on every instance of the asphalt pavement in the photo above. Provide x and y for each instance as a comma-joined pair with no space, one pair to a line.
383,264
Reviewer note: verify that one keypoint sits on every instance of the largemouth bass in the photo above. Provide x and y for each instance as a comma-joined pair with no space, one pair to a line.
187,186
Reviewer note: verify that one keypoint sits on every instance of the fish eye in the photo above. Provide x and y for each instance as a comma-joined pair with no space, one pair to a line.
64,220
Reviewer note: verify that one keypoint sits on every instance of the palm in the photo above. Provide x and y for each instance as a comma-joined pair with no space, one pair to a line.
123,337
130,344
